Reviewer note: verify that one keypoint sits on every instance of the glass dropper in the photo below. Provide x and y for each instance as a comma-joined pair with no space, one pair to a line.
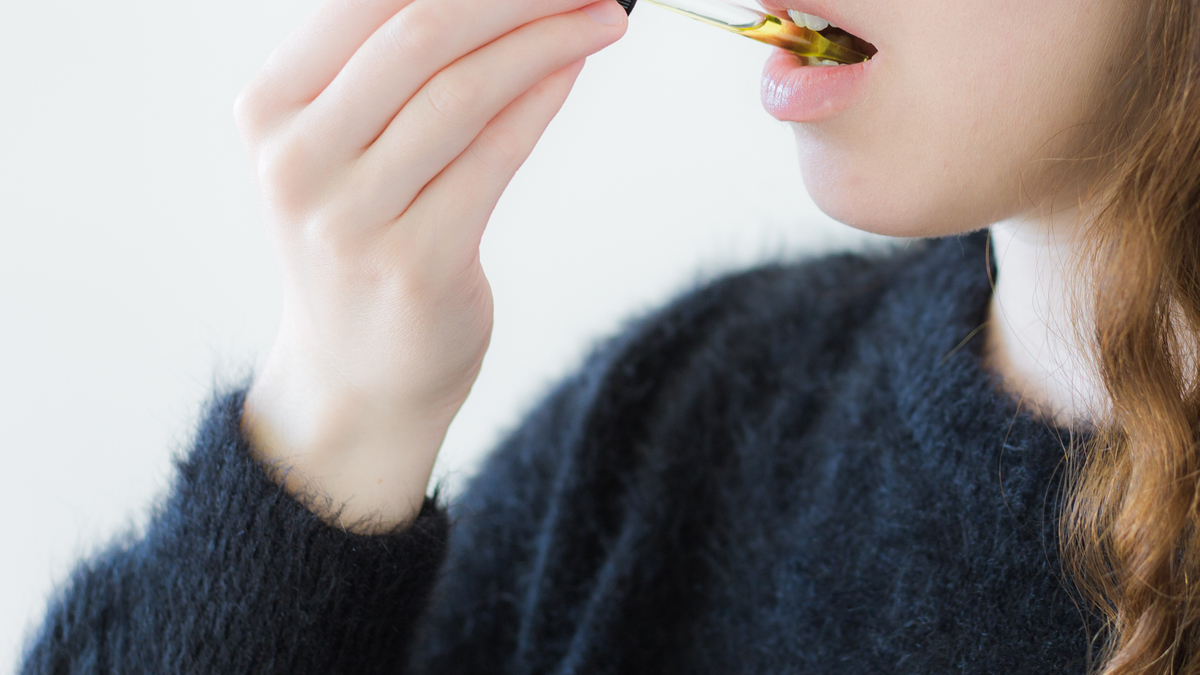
759,26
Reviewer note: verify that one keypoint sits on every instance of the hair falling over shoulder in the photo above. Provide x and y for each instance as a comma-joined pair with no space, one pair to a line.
1130,526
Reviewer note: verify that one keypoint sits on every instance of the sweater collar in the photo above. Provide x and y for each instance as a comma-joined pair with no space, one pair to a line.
935,316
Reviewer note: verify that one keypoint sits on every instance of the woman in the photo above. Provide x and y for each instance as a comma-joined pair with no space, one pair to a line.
953,457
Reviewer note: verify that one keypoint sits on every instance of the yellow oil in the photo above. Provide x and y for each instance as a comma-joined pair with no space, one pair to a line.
798,40
773,31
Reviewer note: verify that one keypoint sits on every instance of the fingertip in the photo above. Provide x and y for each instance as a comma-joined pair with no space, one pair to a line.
605,12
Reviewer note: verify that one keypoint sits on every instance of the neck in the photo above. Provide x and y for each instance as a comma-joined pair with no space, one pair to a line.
1039,324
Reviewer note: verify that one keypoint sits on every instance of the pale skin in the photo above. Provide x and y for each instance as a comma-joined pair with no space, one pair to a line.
1038,321
972,134
383,132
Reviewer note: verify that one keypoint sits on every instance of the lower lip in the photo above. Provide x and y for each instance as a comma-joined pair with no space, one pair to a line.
794,92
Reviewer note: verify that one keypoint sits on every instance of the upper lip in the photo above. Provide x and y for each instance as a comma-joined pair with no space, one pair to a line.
817,8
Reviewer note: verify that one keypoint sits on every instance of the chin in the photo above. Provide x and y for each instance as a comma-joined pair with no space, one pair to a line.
879,210
891,204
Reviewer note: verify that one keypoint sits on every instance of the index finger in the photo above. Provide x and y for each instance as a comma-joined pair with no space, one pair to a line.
308,60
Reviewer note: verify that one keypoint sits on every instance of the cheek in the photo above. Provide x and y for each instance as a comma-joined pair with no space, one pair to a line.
909,169
955,144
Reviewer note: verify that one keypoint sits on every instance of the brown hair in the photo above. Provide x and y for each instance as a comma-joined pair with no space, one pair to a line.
1129,530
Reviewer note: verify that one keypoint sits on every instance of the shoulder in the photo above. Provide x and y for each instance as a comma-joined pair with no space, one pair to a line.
733,328
721,328
805,302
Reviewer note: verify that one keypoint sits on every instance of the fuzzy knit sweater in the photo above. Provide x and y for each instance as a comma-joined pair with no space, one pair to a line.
801,468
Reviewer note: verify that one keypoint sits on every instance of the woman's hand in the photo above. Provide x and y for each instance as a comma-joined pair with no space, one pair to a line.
383,133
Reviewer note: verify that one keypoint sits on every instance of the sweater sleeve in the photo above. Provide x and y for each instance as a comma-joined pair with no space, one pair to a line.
234,575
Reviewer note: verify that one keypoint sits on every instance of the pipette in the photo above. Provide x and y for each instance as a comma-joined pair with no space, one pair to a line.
760,26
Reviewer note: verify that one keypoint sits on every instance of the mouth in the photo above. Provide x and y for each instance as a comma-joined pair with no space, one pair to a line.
827,30
840,37
793,90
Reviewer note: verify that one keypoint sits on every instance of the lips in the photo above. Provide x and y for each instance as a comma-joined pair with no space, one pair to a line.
794,92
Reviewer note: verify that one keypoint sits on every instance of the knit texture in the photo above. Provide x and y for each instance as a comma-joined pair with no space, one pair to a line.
801,468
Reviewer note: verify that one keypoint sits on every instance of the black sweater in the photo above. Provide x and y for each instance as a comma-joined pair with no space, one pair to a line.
797,469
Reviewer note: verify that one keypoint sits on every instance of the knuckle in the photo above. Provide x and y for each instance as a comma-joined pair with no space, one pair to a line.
449,98
246,111
548,86
326,229
412,32
250,110
498,149
282,168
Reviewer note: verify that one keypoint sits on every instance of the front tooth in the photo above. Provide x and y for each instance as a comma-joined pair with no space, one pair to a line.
815,22
809,21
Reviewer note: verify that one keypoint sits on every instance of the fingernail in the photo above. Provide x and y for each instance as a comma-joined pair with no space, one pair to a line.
606,12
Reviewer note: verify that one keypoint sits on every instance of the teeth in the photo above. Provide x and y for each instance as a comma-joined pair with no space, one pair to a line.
809,21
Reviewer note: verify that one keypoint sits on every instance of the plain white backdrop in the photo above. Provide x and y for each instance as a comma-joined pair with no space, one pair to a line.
135,273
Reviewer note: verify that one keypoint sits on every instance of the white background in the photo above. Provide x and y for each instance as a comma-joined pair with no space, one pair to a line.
135,273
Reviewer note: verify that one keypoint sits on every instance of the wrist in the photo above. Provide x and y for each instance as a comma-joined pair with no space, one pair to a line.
360,462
